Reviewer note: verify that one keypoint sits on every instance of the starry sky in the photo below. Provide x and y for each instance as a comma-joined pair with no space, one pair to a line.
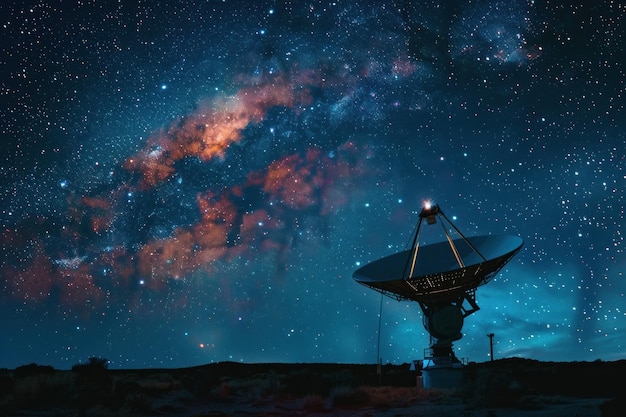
190,182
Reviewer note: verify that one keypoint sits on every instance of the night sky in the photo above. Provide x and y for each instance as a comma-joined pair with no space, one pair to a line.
192,182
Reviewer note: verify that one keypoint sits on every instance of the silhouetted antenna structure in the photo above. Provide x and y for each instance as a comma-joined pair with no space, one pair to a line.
442,270
442,277
490,336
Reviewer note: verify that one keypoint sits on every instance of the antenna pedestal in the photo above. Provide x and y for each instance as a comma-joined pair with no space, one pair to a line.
443,320
441,371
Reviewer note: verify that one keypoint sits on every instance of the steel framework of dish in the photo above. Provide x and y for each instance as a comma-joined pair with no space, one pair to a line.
442,278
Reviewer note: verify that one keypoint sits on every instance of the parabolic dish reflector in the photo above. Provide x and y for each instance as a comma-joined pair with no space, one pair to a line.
437,274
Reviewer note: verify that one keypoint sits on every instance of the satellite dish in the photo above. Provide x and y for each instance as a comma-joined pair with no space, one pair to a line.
443,278
436,272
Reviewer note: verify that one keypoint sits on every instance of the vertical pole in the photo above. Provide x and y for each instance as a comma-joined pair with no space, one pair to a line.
379,360
490,336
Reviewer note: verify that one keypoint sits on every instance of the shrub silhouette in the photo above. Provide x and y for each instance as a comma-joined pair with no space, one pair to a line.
93,384
37,386
349,397
7,385
301,382
32,369
42,390
494,388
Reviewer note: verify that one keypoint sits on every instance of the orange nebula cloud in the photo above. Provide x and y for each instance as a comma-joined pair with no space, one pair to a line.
79,288
296,183
189,249
259,215
103,206
119,263
208,132
41,276
36,280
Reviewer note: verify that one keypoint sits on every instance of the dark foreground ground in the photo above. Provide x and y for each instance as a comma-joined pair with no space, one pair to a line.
507,387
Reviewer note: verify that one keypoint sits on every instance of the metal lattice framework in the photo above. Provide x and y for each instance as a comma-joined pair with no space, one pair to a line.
444,270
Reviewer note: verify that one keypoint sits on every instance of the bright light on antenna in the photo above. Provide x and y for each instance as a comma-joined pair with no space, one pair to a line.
429,211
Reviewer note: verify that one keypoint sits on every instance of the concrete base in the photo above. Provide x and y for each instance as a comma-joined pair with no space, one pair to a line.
442,375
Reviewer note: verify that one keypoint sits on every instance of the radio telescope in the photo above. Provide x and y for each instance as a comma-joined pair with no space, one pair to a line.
442,277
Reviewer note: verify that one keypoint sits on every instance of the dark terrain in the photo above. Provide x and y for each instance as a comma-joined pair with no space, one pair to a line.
517,386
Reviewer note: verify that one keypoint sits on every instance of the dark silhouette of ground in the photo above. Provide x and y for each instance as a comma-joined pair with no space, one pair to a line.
512,387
